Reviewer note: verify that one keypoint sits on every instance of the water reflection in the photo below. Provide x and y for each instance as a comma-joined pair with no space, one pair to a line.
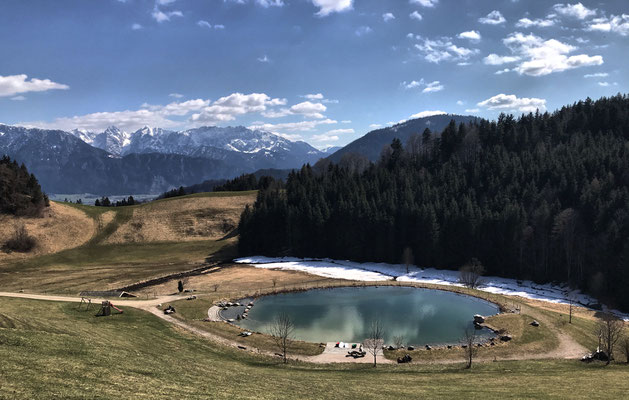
421,316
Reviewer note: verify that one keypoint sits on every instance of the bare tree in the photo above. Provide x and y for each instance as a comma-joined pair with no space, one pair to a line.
398,341
274,281
571,299
407,257
215,287
624,345
468,339
375,339
470,274
609,331
282,330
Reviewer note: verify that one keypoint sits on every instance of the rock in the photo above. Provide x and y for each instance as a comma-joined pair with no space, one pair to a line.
405,359
242,347
428,347
505,338
390,348
230,320
464,346
449,346
250,304
191,298
492,343
411,348
479,319
479,345
535,324
477,325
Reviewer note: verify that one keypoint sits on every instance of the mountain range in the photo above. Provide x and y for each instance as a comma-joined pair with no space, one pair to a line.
153,160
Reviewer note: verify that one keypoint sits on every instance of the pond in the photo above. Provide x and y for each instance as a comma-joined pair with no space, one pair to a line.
420,316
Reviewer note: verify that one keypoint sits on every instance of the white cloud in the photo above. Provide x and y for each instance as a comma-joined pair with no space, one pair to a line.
176,95
264,59
331,136
472,110
597,75
327,7
540,23
375,126
460,102
164,2
604,84
493,18
438,50
178,109
425,3
229,107
512,102
314,96
309,109
424,114
502,71
346,121
15,84
204,24
388,17
495,59
432,87
18,98
470,35
219,26
578,10
544,57
616,23
413,84
302,126
136,27
161,16
416,16
270,3
363,30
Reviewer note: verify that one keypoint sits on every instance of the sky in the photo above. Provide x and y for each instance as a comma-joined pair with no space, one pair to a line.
323,71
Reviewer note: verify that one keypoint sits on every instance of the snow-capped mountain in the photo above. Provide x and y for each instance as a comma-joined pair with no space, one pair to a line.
112,140
255,148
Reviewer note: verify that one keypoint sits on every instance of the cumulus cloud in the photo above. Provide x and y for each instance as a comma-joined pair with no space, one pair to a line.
16,84
270,3
388,17
543,57
427,113
18,98
314,96
502,71
416,16
129,120
327,7
539,23
309,109
435,86
204,24
470,35
331,136
136,27
425,3
504,102
438,50
302,126
264,59
495,59
493,18
161,16
375,126
578,10
229,107
616,23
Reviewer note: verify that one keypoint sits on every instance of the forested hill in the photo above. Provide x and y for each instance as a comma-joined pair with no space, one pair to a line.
542,197
372,143
20,192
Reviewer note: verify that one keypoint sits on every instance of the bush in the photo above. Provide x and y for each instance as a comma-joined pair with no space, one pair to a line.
21,241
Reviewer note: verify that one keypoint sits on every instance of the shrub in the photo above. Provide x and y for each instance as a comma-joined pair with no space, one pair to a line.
21,241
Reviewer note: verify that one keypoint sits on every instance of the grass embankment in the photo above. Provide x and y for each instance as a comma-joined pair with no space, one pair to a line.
52,350
190,229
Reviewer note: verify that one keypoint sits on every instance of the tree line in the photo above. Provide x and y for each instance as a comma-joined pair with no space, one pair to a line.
20,192
543,197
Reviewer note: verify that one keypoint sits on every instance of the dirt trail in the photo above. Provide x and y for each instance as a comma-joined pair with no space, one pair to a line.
568,348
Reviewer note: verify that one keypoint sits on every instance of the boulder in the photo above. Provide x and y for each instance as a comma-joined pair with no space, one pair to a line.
411,348
428,347
535,324
505,338
390,348
449,346
479,319
477,325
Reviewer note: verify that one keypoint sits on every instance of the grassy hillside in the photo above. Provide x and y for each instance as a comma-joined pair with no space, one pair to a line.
101,248
52,350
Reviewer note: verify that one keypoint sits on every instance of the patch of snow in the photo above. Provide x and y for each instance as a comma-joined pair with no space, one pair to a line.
371,272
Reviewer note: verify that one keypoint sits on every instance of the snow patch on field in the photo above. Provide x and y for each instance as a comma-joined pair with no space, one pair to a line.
373,272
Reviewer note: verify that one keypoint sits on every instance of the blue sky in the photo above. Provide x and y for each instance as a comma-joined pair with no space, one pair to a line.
324,71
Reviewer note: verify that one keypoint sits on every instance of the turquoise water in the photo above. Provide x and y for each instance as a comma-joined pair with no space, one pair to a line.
421,316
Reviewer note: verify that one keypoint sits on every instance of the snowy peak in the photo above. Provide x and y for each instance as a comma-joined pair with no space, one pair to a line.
112,139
